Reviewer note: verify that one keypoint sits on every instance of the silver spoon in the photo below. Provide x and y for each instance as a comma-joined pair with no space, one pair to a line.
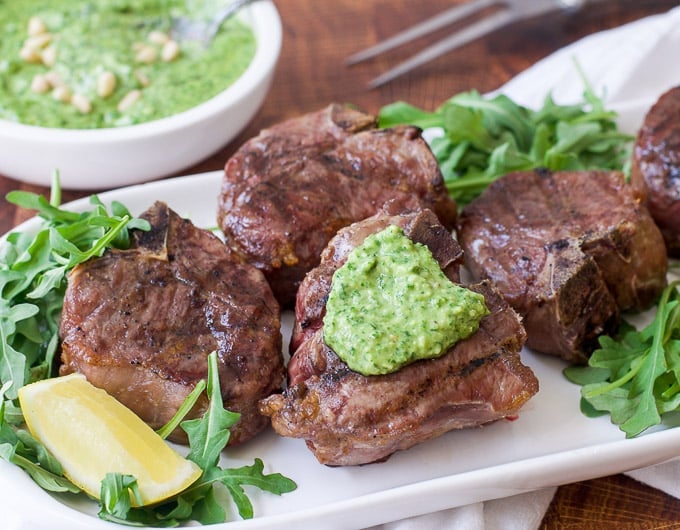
204,31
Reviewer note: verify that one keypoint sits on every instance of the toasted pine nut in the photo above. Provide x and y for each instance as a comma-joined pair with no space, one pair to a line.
142,78
158,37
49,56
106,84
81,103
38,41
170,51
146,54
40,85
54,79
62,93
29,55
36,26
129,99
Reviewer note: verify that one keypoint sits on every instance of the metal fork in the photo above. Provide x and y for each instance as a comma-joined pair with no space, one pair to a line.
513,11
204,31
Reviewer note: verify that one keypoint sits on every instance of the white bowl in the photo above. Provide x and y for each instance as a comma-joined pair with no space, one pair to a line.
114,157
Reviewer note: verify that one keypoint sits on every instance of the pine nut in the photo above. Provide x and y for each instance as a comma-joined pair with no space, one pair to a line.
142,78
49,56
81,103
38,41
158,37
146,54
40,85
54,79
106,84
29,55
170,51
62,93
129,99
36,26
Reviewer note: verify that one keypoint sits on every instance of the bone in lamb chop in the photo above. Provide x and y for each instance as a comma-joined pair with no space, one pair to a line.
140,323
568,250
347,418
286,192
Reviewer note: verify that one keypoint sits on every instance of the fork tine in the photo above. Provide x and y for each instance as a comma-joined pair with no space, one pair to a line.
430,25
470,33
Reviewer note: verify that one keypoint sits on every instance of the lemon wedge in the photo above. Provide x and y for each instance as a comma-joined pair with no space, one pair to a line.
91,434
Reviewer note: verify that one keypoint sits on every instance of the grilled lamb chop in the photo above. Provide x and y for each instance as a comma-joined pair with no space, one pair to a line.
568,251
287,191
140,324
349,419
656,166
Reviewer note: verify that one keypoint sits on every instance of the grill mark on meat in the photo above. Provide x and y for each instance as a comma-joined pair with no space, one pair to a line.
286,192
140,324
346,418
568,250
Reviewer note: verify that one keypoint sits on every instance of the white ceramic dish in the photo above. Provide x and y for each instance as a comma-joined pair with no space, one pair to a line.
111,158
551,443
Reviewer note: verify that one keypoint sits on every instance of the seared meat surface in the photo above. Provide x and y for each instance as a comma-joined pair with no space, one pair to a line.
349,419
568,251
140,324
287,191
656,166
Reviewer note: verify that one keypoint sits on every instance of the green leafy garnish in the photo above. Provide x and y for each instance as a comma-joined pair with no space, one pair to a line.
33,269
485,139
635,377
208,436
18,447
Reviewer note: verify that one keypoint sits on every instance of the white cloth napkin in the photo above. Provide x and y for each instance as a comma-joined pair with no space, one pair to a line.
630,66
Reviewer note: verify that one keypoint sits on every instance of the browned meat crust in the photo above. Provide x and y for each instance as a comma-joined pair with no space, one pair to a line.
656,166
349,419
140,324
287,191
568,251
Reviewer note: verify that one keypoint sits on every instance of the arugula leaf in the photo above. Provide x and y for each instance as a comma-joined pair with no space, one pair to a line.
208,436
18,447
183,410
33,269
485,138
116,494
635,377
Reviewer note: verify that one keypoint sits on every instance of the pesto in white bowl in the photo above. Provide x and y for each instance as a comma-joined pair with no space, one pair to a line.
138,144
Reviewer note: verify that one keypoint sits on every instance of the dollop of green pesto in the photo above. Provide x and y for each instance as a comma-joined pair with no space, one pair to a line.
390,305
90,37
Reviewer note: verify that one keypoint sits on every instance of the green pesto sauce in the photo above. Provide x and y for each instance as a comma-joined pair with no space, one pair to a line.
390,305
91,36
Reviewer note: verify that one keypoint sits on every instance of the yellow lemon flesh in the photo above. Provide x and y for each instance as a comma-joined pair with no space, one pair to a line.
91,434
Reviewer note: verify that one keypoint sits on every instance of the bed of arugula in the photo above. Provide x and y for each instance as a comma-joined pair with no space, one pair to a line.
634,377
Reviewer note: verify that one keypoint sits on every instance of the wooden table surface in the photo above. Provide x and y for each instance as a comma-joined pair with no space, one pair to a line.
319,35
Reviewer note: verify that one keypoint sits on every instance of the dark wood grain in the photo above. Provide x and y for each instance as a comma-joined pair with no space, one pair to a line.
318,36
